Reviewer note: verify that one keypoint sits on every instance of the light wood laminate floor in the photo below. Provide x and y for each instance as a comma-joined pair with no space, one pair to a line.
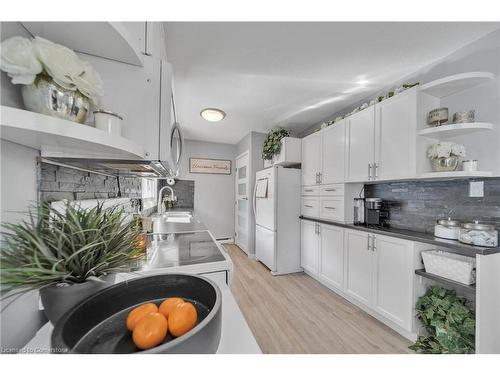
296,314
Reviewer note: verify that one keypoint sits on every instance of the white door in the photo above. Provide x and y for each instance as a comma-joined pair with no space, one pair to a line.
265,246
264,198
395,134
360,144
332,256
242,203
309,250
311,158
358,266
392,279
333,153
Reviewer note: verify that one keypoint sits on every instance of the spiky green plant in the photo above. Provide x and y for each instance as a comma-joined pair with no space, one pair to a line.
72,246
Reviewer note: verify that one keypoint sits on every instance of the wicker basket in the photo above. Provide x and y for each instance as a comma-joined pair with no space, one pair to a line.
451,266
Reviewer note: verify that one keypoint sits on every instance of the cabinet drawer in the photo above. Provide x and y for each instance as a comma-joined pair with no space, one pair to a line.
333,190
333,209
310,207
310,190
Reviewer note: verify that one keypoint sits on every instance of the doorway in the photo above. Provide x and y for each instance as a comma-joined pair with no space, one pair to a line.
241,204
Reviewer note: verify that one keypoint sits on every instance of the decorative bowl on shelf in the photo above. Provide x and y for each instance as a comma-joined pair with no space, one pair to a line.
444,164
463,117
438,116
47,97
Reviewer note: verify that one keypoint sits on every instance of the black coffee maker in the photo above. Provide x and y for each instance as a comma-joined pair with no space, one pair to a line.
375,214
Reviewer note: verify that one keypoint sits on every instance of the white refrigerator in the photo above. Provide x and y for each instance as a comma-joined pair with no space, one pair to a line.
276,204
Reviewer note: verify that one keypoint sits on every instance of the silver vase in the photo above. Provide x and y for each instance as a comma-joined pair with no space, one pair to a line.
47,97
443,164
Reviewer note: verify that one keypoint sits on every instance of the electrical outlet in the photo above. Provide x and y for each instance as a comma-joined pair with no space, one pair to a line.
476,189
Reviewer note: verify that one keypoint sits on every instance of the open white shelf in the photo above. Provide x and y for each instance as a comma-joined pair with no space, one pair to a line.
453,130
105,39
456,174
61,138
450,85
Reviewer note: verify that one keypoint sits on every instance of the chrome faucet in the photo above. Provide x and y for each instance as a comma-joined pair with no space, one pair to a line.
159,208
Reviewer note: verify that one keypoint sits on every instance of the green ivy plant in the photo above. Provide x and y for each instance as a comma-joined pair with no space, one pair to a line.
448,321
272,143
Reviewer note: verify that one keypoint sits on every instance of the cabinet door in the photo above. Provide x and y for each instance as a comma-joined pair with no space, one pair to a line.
360,144
309,254
311,158
332,256
392,279
358,267
333,153
395,134
166,112
132,92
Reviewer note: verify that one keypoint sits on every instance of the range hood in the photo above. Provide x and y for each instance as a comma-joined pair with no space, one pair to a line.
130,168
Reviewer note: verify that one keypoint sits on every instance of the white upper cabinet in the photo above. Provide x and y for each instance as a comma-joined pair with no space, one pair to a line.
358,266
395,137
311,159
332,256
360,145
333,153
392,279
309,254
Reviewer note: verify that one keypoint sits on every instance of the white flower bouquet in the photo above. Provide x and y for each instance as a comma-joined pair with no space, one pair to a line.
445,150
25,60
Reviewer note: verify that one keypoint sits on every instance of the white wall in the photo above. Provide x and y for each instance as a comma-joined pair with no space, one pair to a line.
213,194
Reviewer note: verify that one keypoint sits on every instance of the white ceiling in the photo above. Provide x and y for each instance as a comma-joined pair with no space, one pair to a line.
295,74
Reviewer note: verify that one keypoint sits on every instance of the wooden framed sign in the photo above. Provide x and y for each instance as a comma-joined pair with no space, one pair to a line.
210,166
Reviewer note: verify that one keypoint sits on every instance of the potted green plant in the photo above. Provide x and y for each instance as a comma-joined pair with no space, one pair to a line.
272,143
69,255
448,322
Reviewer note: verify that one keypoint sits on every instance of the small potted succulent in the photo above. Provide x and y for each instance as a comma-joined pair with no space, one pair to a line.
444,156
56,82
68,255
272,143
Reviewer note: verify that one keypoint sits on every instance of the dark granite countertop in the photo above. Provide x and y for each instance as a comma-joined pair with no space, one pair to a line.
451,245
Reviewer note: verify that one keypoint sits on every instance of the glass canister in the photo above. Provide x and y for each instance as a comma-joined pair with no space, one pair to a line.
478,234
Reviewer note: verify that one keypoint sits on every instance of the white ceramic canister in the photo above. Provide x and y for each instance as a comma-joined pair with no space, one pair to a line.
469,165
108,121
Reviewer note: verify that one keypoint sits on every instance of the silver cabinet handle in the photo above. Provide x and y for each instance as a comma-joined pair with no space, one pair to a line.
308,205
375,166
319,229
369,171
309,190
368,247
320,177
374,243
331,189
317,178
330,208
316,228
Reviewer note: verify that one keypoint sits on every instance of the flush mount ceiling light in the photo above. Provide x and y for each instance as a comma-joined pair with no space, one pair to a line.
213,114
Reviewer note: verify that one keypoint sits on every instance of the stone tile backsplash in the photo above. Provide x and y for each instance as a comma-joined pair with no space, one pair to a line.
415,205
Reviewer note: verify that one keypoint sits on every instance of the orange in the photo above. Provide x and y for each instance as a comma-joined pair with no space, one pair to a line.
138,313
150,331
182,319
168,305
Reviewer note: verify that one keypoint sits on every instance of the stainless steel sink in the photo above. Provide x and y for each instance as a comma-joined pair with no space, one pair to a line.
162,223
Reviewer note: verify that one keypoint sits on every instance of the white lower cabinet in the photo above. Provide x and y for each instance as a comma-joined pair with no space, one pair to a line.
392,279
374,271
309,251
332,256
358,266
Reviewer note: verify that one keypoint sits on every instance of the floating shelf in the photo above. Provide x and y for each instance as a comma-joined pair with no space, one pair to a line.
452,84
453,130
111,40
61,138
456,174
447,282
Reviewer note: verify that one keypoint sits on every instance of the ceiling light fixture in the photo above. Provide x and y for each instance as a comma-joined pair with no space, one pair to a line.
213,114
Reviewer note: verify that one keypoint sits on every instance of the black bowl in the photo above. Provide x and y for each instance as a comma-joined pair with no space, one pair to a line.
98,324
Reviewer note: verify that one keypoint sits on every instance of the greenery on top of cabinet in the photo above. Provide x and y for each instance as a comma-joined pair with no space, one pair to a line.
272,143
449,322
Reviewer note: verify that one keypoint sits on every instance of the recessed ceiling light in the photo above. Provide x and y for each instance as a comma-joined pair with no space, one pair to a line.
213,114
